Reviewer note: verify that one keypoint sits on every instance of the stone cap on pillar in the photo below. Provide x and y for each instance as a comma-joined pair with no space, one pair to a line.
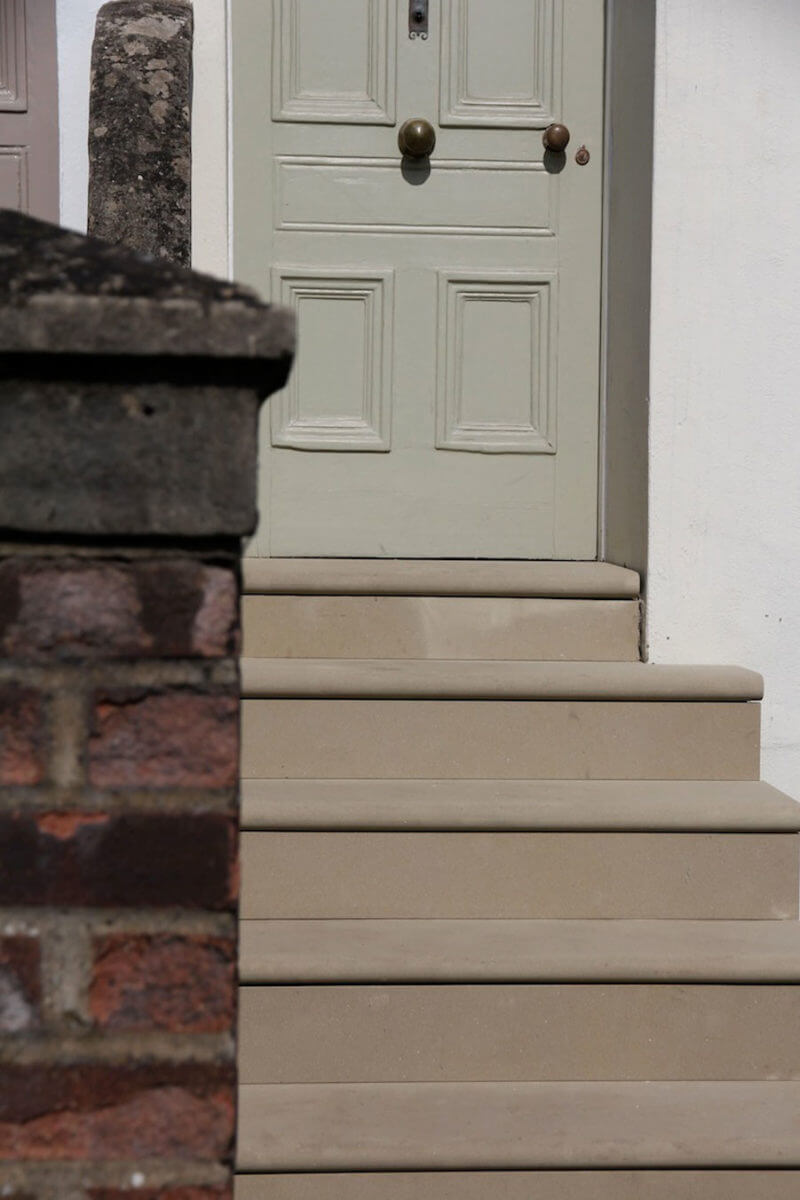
129,390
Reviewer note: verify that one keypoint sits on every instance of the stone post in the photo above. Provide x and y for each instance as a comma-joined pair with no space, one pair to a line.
129,395
140,150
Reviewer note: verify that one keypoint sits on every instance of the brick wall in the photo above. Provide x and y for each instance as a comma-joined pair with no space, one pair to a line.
119,759
119,712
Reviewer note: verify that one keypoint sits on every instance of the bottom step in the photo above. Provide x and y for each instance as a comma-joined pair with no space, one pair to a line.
525,1185
536,1126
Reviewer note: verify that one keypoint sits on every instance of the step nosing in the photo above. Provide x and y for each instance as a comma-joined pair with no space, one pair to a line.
440,577
475,950
418,805
476,679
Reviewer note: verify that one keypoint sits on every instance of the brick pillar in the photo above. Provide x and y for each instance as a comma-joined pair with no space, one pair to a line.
128,404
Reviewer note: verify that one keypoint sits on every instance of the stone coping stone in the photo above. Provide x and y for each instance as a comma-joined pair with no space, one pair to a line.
64,293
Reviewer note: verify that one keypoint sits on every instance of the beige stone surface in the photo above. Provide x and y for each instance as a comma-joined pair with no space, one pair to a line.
525,1185
485,951
462,1032
439,627
492,1126
518,804
490,679
500,739
511,875
437,577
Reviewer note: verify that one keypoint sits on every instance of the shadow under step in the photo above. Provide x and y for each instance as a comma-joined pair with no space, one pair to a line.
525,1185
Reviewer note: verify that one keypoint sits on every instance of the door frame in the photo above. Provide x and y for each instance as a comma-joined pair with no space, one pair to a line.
627,239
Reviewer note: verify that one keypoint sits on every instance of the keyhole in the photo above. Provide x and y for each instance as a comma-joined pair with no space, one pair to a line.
419,16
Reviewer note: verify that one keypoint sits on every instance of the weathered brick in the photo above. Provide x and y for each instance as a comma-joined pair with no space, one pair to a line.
128,859
101,1113
165,1193
21,736
20,983
169,982
175,738
69,609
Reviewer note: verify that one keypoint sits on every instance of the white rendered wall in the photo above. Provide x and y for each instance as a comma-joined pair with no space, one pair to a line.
76,20
724,580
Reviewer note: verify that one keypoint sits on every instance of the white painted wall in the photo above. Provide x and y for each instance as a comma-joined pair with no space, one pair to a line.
75,21
724,578
724,582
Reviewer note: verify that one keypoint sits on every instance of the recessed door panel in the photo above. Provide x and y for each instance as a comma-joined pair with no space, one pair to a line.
334,61
496,388
445,398
335,401
500,67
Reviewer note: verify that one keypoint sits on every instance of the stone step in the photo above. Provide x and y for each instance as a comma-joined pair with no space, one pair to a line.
524,1185
492,1126
520,951
482,679
438,577
516,1032
439,627
623,806
499,738
710,876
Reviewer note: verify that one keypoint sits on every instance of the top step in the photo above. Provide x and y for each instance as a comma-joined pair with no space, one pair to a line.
438,577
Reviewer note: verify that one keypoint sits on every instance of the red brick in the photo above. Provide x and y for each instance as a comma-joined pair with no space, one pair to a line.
72,609
176,738
169,982
101,1113
129,859
20,983
21,736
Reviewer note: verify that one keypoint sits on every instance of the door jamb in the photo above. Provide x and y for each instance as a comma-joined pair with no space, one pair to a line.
625,308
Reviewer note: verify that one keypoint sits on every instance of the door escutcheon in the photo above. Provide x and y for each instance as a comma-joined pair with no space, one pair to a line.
418,19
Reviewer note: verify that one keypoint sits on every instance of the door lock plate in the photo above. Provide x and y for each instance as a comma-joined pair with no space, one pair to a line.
418,19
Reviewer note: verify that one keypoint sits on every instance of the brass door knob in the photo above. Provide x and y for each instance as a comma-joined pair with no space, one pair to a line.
556,138
416,138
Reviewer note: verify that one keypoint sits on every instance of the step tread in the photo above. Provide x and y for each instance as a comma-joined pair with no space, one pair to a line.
625,806
485,1126
449,679
519,950
437,577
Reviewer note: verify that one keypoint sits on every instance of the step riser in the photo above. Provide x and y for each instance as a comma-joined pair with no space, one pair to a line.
526,1185
464,739
496,1126
451,627
519,875
518,1032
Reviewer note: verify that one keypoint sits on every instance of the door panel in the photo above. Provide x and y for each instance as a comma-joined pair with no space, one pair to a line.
445,399
500,72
